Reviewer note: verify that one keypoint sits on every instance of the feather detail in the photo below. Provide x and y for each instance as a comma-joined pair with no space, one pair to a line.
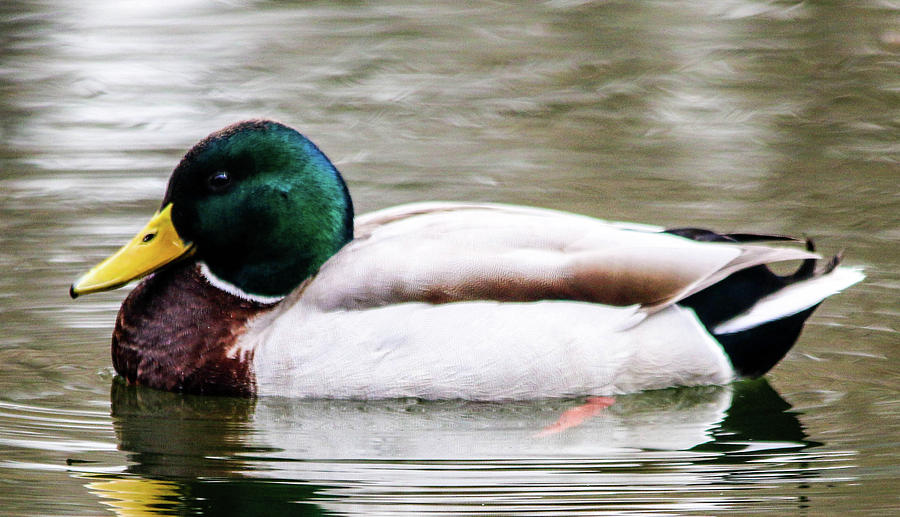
444,252
792,299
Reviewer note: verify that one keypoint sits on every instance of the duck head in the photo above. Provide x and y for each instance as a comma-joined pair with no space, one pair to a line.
258,202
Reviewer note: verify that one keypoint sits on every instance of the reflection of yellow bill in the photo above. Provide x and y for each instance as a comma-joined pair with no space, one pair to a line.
153,247
135,497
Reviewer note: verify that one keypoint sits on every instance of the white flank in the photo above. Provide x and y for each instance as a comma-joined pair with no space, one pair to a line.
792,299
480,351
230,288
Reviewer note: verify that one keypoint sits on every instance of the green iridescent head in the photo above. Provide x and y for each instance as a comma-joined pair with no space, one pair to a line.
257,201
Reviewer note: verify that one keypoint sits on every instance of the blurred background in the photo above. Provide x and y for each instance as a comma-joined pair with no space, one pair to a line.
754,115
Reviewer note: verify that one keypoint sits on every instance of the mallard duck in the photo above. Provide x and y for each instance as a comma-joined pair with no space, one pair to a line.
260,282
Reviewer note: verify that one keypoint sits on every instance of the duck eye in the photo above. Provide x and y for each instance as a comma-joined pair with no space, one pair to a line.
219,181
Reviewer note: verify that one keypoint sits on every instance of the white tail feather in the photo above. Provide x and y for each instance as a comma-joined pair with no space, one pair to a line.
792,299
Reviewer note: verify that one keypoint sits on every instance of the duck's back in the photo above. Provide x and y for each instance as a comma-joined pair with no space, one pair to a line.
451,252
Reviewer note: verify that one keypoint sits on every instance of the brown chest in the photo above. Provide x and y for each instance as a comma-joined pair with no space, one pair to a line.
174,331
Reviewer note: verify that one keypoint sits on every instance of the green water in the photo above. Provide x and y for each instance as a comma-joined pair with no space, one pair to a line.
764,116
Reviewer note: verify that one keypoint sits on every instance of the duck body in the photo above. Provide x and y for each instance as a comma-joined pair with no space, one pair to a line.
435,300
476,302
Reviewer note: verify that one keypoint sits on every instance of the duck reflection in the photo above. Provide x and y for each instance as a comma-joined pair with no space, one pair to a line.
199,433
187,457
243,457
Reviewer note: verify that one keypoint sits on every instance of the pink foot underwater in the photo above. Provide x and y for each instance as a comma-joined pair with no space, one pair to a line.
577,415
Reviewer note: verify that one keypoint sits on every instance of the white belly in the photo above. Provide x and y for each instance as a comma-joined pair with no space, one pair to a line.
481,351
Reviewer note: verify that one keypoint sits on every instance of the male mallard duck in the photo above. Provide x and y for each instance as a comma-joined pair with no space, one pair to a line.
263,284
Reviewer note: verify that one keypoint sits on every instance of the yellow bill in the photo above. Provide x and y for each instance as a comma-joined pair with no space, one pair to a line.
156,245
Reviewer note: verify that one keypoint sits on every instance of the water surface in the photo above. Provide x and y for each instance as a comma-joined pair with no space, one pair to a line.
768,116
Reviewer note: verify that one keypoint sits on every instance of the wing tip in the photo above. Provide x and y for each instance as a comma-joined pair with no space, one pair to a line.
794,298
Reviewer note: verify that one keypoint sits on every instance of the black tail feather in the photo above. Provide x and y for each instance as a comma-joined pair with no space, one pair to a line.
700,234
755,350
806,270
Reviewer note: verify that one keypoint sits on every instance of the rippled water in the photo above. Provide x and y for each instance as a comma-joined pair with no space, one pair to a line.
769,116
